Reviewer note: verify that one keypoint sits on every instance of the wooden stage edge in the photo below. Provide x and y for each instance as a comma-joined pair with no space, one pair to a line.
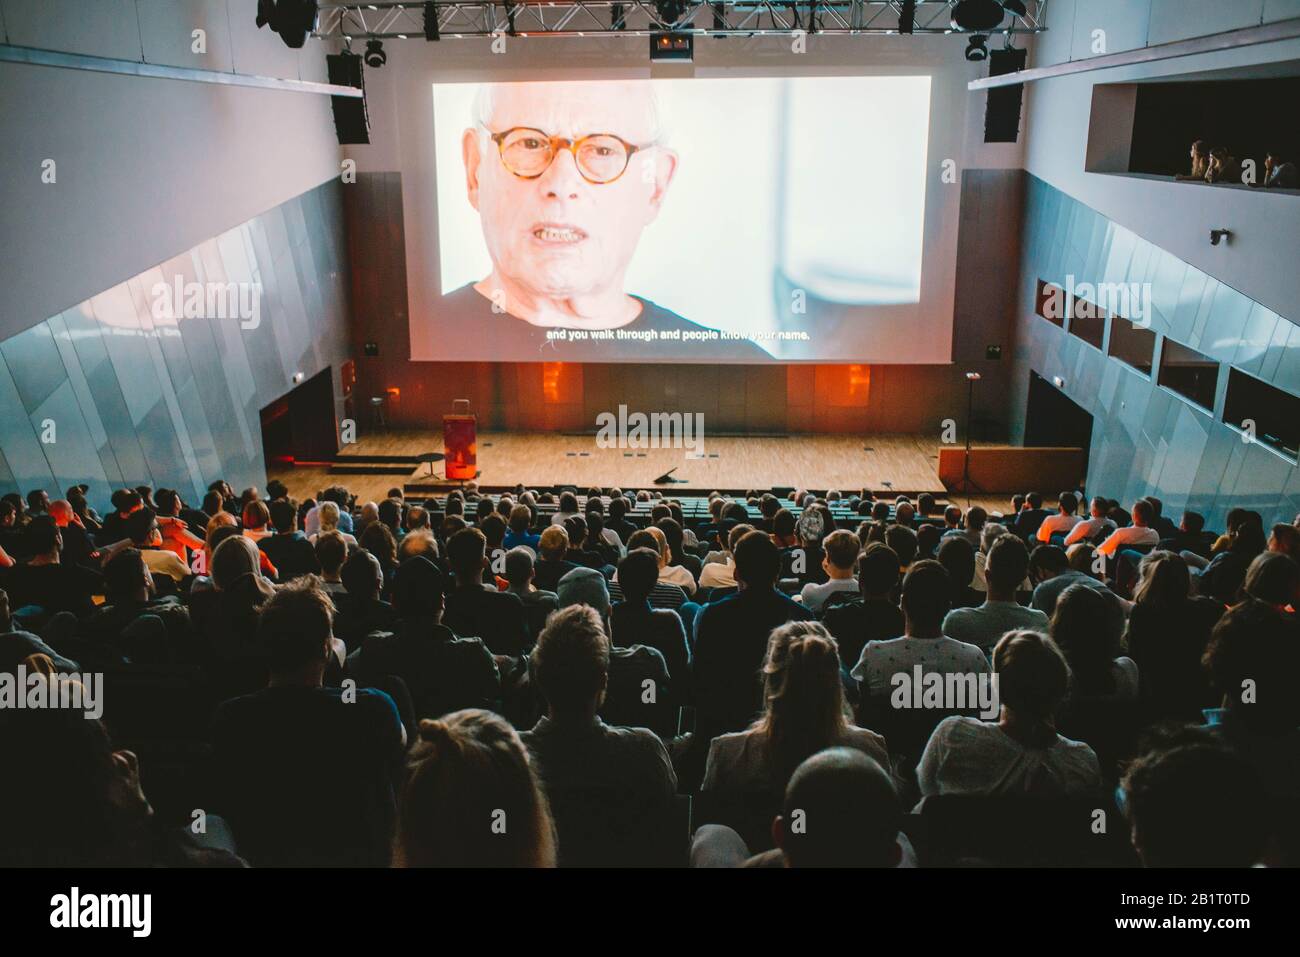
883,463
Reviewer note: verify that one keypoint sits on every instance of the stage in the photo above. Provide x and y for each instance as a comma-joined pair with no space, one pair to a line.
897,464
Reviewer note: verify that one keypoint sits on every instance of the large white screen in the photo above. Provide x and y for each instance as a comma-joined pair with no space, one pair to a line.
758,218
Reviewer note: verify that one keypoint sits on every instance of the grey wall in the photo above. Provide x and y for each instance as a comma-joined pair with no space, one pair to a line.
133,399
1146,439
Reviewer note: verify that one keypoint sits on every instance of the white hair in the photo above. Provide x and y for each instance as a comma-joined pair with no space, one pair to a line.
485,104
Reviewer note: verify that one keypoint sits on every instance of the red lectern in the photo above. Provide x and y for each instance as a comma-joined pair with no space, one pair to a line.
459,442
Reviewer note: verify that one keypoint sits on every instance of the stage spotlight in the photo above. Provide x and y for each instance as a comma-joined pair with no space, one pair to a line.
976,50
617,21
977,15
670,11
376,57
293,20
671,46
907,16
431,22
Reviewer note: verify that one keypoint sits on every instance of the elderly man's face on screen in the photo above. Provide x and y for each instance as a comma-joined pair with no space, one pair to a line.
565,178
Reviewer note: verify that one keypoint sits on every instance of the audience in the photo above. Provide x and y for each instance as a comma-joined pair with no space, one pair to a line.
1008,563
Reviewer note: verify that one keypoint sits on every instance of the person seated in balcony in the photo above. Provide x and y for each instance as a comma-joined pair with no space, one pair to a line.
1278,173
1200,162
1224,167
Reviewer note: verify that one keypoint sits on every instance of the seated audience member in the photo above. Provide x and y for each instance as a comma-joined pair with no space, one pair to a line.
467,772
330,519
991,532
731,640
78,549
722,574
1096,526
927,540
360,610
17,646
618,523
571,747
876,617
1028,520
538,604
304,772
1163,526
1285,540
255,519
499,618
1274,579
1086,630
289,551
1020,753
783,529
143,532
375,538
1223,167
79,803
1194,804
904,513
841,554
848,792
580,550
1279,173
44,581
1252,660
1188,536
678,557
113,528
806,561
925,601
1008,562
1200,162
329,553
551,566
128,591
804,712
668,591
567,508
1167,633
1138,534
1063,522
958,559
225,616
442,671
1052,572
634,621
418,541
1224,576
972,524
902,539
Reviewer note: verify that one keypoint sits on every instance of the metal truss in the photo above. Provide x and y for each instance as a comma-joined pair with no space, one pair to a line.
613,18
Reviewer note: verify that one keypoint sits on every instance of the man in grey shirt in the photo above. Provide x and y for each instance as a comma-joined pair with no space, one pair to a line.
1007,564
1052,573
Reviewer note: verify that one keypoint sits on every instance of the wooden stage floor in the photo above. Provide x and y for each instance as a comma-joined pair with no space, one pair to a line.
902,463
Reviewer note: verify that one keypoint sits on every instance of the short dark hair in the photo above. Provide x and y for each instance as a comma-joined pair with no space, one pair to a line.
295,624
1069,502
903,541
1007,563
123,572
1035,499
358,572
758,560
42,535
1144,510
331,550
638,572
783,523
878,570
139,525
926,593
284,514
417,588
465,551
850,809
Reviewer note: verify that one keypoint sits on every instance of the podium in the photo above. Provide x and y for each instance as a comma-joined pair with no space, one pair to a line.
460,443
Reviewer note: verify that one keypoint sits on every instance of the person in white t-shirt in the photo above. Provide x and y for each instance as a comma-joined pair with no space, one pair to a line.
1139,533
1020,753
1063,521
1097,523
723,574
840,552
1005,570
925,599
673,574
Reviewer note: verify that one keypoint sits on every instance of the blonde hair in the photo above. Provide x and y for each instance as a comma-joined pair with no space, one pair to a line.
472,798
803,698
329,516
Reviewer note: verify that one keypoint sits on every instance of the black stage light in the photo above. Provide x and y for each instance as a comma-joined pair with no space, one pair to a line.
976,50
375,55
672,46
907,16
1016,8
293,20
431,22
977,15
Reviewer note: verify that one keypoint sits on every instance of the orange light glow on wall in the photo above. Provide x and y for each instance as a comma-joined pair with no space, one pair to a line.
859,383
551,375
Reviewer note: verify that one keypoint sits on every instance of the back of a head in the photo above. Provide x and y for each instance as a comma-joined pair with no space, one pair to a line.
1034,499
1068,502
758,561
418,588
519,566
1286,540
140,526
1274,578
42,535
957,556
584,586
902,540
124,573
637,573
842,547
331,551
554,543
571,660
1047,561
1007,565
493,528
803,697
737,532
520,519
234,558
568,502
465,551
1083,628
1033,676
360,574
783,523
471,798
1143,512
926,595
256,515
284,514
1252,659
878,570
1195,804
390,513
295,625
840,810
